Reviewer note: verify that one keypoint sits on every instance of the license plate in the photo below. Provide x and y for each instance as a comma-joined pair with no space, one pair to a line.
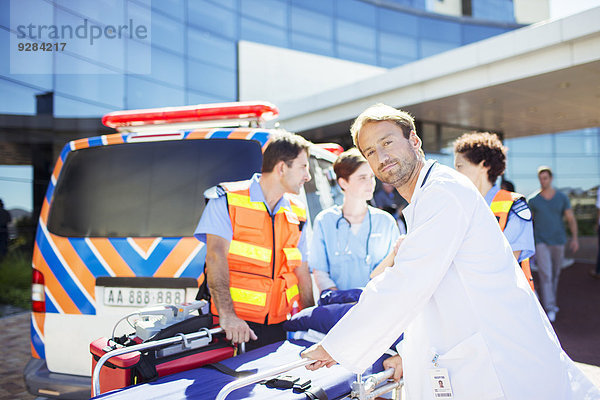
124,296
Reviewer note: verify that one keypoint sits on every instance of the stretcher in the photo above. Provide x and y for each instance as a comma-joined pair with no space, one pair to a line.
263,367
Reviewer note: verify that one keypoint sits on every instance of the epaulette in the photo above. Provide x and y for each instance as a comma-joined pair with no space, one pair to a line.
214,192
521,208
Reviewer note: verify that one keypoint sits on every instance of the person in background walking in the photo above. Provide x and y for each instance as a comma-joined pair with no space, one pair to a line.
5,219
596,273
548,207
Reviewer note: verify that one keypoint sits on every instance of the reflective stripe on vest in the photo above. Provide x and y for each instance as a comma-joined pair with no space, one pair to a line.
292,254
501,205
247,296
292,292
250,251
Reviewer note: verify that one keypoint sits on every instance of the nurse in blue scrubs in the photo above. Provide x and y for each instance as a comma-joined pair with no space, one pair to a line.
351,240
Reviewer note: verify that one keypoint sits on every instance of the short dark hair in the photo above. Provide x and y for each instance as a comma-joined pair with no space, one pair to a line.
347,163
283,146
544,168
486,147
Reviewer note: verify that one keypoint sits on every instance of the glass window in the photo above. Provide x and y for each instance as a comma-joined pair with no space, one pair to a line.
42,81
496,10
357,11
212,79
582,142
389,61
69,108
474,33
430,47
405,46
95,51
322,191
206,46
173,8
69,63
274,12
526,166
436,29
428,134
263,33
105,89
312,23
167,67
145,189
325,7
311,44
167,33
355,35
203,14
16,99
576,166
142,93
358,55
530,145
195,97
398,22
231,4
97,10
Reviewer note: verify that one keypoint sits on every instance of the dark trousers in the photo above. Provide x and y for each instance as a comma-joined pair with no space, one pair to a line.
267,334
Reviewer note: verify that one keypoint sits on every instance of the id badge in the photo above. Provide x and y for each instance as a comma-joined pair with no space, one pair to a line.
440,383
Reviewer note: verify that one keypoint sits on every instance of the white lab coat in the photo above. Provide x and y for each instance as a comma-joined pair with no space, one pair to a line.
456,290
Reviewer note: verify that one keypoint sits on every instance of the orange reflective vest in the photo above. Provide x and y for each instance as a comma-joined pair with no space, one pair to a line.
501,205
263,254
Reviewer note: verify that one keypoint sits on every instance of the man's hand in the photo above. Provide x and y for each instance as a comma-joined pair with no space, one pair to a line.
396,363
236,329
574,245
321,357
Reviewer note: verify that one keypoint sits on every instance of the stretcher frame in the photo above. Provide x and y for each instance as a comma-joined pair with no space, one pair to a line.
367,388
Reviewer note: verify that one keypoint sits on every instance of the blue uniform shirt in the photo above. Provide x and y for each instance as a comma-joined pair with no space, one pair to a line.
215,218
518,231
342,254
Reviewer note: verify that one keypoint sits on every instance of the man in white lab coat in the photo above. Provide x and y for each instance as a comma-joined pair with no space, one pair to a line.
468,315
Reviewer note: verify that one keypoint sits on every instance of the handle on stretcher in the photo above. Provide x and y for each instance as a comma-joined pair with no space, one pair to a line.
146,346
231,386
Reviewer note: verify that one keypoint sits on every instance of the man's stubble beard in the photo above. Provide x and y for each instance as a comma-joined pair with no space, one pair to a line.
401,173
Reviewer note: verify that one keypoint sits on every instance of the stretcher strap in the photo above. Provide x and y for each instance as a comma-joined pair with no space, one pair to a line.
231,372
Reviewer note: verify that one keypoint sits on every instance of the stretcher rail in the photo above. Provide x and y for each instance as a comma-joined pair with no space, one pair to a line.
181,338
240,383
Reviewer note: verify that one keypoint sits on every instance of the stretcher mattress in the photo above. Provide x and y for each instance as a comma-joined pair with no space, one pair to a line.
205,383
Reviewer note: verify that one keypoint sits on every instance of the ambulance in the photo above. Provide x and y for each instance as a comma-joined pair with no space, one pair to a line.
115,232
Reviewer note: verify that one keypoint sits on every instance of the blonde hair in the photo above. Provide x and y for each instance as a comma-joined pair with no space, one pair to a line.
382,112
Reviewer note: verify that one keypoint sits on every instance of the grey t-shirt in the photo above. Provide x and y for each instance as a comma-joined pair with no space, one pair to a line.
548,226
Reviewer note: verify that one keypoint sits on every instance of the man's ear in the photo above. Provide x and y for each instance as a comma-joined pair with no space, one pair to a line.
279,167
342,183
414,140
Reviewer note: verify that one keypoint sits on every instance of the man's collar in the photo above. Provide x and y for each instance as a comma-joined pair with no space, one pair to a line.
257,195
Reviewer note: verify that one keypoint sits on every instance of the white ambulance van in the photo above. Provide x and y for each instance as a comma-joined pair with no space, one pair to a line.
116,228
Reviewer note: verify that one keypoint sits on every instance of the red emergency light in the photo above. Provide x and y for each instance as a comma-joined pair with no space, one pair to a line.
331,147
262,111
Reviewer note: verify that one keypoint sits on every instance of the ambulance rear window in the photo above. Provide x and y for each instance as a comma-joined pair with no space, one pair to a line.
151,189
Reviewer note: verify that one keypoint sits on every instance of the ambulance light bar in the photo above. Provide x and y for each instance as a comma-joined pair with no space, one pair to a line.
262,111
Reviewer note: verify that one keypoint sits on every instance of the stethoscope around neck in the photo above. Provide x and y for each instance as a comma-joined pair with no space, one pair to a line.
346,249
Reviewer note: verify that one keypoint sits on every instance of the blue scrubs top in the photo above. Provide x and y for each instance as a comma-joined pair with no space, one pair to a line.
215,218
342,254
518,231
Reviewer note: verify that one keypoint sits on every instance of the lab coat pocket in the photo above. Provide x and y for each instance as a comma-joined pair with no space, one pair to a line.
472,374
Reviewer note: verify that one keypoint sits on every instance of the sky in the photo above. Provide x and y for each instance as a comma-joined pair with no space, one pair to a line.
15,181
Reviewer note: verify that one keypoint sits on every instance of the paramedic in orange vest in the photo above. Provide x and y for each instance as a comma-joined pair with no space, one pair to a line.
256,264
482,158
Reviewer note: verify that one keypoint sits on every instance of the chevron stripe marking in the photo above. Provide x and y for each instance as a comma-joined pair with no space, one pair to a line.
188,260
109,257
80,144
115,138
176,257
44,212
57,168
144,246
39,320
67,267
54,289
76,264
239,134
198,134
